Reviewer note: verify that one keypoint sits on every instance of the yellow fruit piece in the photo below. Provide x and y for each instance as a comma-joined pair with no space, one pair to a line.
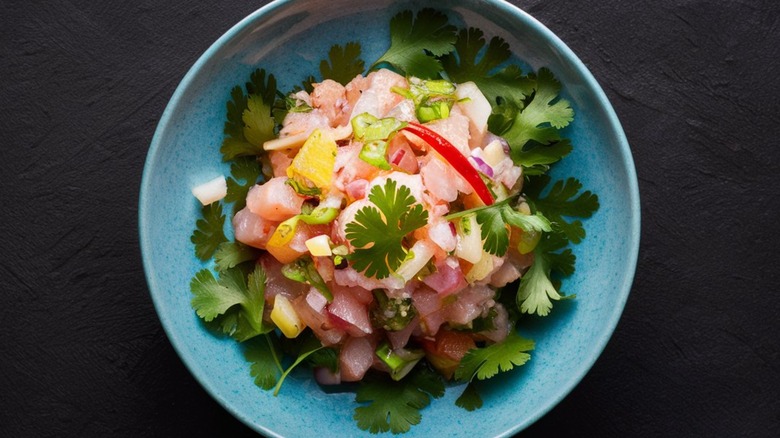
314,162
283,233
481,269
528,241
319,246
284,316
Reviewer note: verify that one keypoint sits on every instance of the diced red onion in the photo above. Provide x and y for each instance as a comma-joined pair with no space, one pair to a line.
398,155
316,300
482,166
505,145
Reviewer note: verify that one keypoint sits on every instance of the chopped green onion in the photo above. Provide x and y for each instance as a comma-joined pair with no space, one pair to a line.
400,361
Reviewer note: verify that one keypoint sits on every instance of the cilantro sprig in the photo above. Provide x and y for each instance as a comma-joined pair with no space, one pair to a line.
250,120
564,200
246,169
395,406
495,219
209,232
215,297
345,63
415,42
378,230
491,74
484,363
552,257
533,125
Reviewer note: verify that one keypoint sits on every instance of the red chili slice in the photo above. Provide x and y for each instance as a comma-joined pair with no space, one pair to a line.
453,156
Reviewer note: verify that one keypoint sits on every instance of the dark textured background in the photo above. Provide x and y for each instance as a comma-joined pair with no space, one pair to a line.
695,84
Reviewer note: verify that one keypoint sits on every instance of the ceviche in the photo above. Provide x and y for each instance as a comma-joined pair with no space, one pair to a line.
392,224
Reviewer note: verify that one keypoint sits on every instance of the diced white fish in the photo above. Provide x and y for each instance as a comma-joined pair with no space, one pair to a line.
330,98
355,358
275,200
413,182
378,99
303,123
476,107
349,167
472,302
455,129
404,111
441,180
251,229
440,232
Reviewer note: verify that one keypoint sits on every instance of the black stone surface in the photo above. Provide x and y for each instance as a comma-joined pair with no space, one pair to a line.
695,84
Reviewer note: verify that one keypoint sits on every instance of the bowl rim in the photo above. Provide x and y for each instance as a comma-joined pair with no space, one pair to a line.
568,55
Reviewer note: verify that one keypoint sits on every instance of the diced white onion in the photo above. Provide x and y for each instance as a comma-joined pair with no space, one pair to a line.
319,246
289,142
493,153
476,107
422,252
469,247
211,191
316,300
481,269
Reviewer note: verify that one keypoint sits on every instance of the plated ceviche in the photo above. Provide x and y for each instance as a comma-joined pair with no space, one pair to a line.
392,225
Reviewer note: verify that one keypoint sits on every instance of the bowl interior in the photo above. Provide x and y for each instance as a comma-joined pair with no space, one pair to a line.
288,39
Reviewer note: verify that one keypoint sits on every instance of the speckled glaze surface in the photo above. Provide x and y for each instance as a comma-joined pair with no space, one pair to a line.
289,38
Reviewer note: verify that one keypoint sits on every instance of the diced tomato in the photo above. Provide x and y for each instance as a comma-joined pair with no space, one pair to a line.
446,350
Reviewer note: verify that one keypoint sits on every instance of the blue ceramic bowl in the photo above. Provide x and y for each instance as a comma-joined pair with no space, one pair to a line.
289,38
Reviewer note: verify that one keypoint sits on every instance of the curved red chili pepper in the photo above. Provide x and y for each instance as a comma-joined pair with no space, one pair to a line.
453,156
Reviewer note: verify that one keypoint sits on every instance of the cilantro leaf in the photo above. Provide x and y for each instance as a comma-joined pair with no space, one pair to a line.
345,63
249,117
235,144
537,288
412,39
537,158
255,299
378,232
469,399
493,221
263,87
484,363
258,123
462,66
553,247
209,232
231,254
539,121
213,297
395,406
237,302
563,200
265,355
245,169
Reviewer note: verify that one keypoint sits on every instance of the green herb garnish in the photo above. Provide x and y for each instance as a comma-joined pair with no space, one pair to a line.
377,232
